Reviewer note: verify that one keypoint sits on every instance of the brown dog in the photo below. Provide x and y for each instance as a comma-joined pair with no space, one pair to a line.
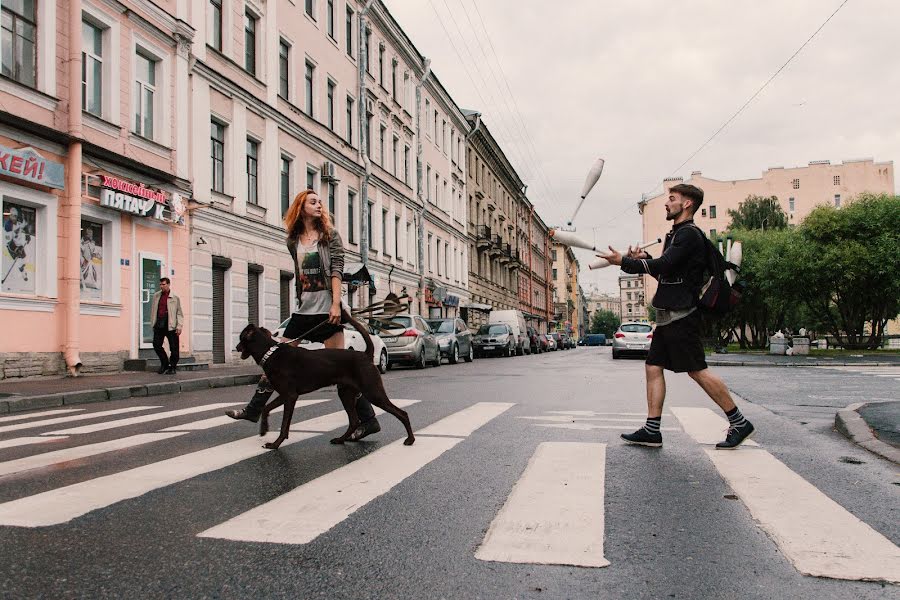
293,371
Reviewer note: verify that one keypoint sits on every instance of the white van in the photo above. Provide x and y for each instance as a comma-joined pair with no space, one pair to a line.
516,321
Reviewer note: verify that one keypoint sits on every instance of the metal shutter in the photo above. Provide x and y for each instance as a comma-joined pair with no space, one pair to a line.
218,307
253,276
285,295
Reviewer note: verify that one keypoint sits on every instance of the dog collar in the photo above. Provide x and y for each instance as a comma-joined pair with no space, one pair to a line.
268,354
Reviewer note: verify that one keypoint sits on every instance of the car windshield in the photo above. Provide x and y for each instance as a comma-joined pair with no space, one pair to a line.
441,326
492,330
636,328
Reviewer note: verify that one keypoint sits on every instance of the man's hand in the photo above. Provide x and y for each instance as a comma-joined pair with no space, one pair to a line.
178,331
334,315
637,252
614,257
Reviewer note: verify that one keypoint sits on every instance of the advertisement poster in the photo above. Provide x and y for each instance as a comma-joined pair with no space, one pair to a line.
91,260
19,245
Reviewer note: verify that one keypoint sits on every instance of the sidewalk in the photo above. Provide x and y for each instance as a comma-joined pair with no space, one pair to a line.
27,394
740,359
874,425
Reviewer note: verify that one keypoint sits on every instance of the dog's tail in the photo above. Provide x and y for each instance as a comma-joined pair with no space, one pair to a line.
370,347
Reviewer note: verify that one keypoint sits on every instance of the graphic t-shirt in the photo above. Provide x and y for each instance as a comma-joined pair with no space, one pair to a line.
316,298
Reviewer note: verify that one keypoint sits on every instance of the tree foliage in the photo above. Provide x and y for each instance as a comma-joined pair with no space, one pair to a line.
758,212
605,322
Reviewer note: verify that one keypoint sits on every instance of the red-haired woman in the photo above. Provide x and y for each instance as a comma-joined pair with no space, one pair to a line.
318,254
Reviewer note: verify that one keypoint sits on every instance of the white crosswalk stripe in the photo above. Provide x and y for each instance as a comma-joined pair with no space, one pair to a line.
69,419
225,420
142,419
46,413
27,441
888,372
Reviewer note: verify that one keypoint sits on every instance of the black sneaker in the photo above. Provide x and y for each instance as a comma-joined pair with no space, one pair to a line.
736,436
162,370
242,414
642,437
171,370
368,428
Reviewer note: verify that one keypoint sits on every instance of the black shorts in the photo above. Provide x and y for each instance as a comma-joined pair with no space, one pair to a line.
301,324
677,346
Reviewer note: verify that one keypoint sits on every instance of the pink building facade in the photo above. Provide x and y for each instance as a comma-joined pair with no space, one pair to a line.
93,181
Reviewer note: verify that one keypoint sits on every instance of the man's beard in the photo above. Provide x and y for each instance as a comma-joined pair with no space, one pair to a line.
671,215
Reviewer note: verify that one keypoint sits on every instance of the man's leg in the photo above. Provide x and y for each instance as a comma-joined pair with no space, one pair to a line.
739,428
649,434
158,336
173,350
251,412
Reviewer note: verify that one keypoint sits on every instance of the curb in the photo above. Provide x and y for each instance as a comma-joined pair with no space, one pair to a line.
23,403
818,363
849,422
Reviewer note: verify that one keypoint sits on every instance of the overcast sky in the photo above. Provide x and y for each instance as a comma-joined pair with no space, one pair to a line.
644,83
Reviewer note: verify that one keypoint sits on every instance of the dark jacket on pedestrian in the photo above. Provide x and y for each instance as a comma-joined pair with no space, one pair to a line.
679,270
331,253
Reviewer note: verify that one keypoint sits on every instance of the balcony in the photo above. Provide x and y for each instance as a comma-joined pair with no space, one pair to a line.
483,237
496,248
505,254
515,260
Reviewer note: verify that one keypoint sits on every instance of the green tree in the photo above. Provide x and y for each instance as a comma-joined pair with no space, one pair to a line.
605,322
757,212
651,313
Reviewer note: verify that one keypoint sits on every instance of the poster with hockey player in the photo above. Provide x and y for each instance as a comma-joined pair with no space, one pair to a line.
91,260
19,246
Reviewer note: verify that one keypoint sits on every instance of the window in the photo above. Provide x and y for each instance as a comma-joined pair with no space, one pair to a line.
381,131
332,189
368,134
395,157
348,30
91,260
285,184
381,65
394,79
311,179
384,230
444,136
310,71
791,204
629,308
437,257
796,184
91,68
428,250
329,18
712,212
19,37
428,112
837,200
371,234
437,141
351,205
250,42
702,212
837,180
252,171
712,234
406,164
284,52
330,105
397,236
144,95
349,120
217,154
554,273
310,9
367,41
428,183
214,24
410,241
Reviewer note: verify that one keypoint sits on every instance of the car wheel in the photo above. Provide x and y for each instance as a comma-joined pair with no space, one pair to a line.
437,358
454,355
383,362
471,356
509,351
615,355
420,362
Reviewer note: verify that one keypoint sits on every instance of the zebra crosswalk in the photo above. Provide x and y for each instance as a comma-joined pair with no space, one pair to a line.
555,511
887,372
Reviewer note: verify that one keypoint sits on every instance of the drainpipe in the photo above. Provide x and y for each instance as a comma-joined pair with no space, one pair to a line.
71,288
419,194
363,137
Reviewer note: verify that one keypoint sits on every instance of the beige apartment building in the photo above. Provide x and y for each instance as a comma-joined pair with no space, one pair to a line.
632,298
597,301
798,189
496,239
566,302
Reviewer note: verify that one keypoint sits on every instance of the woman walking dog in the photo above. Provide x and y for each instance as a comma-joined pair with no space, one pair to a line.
318,254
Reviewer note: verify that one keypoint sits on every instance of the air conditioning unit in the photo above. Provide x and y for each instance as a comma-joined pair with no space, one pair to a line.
329,171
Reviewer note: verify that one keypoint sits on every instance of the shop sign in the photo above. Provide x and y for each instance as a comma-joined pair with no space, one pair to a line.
451,300
139,200
429,296
26,164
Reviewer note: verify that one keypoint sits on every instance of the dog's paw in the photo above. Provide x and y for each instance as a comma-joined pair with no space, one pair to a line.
271,445
409,441
337,440
263,428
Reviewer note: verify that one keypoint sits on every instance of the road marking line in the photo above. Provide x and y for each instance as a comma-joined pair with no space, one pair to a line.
592,426
69,419
225,420
565,419
303,514
47,459
464,422
591,413
66,503
702,424
554,514
818,536
142,419
46,413
333,421
25,441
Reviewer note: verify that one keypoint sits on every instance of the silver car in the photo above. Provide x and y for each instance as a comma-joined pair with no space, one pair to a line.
632,338
454,339
412,343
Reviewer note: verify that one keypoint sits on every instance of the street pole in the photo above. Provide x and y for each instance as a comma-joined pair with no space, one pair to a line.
419,194
363,137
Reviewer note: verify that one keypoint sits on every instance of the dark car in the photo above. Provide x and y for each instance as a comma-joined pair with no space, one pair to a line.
497,338
544,343
534,341
454,339
593,339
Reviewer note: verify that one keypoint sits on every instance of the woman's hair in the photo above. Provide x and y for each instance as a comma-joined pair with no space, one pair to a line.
293,220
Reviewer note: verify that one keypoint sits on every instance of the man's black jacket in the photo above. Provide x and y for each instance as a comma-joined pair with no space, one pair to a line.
679,270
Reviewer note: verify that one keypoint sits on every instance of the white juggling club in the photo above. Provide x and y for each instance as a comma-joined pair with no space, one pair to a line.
589,182
570,239
602,263
735,256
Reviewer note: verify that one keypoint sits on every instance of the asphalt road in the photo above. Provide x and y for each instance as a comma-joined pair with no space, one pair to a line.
673,525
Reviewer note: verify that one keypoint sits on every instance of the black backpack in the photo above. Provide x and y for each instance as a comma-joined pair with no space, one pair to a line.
717,297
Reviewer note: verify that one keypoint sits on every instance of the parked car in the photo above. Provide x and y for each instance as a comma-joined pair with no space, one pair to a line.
546,343
353,340
516,321
632,338
497,338
414,343
560,343
567,341
593,339
534,341
454,339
